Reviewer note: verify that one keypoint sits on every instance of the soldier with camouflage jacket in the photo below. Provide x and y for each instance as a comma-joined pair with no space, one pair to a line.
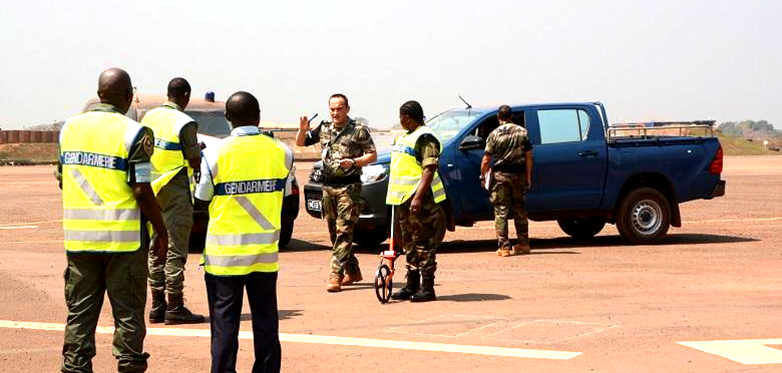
347,146
511,149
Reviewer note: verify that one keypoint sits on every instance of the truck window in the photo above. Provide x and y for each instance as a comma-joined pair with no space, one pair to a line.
490,124
563,125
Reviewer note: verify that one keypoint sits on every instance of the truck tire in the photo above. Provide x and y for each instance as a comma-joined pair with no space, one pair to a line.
644,216
286,232
582,227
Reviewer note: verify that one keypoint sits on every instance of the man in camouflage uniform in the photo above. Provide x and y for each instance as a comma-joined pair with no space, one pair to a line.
347,146
420,218
511,149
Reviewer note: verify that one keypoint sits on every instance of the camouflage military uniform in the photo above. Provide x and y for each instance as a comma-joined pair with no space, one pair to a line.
421,232
507,144
342,187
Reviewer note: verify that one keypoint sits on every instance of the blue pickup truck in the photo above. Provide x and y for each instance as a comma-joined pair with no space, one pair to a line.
586,173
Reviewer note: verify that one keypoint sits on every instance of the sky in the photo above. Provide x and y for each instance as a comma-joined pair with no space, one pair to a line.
661,60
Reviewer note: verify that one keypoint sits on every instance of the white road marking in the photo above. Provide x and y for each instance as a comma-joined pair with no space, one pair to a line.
31,223
20,227
26,242
732,220
747,351
329,340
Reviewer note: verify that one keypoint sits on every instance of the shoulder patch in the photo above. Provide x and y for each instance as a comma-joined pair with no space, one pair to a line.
147,144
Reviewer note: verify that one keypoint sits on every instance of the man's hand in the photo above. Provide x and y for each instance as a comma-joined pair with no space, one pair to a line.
160,247
347,163
415,205
304,124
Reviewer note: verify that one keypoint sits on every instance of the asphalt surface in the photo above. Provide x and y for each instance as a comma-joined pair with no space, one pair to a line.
571,306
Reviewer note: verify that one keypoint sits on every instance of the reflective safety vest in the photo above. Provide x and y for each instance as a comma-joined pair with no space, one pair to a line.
249,177
406,171
100,212
167,122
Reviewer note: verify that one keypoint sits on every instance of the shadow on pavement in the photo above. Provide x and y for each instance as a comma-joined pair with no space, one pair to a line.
297,245
471,297
281,314
467,246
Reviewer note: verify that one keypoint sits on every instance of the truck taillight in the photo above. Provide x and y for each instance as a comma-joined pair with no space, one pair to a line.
715,168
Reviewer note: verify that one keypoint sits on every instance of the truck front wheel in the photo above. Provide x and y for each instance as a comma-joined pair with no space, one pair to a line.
582,227
644,216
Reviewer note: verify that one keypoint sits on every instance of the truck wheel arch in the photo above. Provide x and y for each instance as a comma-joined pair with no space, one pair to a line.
655,181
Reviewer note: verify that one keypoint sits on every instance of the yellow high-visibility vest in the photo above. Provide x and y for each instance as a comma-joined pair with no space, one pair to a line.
100,212
244,216
167,122
406,171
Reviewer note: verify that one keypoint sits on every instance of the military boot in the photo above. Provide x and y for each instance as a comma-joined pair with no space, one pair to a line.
177,313
413,284
352,276
335,281
520,249
157,313
426,294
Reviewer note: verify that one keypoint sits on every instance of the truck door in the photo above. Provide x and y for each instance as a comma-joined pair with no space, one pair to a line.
466,167
570,156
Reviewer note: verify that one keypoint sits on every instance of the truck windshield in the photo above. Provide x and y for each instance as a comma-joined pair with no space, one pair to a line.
449,123
211,123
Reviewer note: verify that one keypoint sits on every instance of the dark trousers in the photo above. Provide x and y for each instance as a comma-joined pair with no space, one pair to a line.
225,295
87,278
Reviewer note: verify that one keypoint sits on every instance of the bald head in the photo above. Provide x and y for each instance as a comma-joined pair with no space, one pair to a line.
115,88
179,92
243,109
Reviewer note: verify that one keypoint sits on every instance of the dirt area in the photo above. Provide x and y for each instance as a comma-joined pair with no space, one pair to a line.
31,153
598,305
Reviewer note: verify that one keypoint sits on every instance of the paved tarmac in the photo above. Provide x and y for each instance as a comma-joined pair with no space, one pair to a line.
572,306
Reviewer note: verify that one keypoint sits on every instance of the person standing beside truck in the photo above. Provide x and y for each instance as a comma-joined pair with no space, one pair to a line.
244,179
416,192
104,172
511,175
347,146
177,154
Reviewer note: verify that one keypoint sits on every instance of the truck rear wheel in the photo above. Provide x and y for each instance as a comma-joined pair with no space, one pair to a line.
644,216
582,227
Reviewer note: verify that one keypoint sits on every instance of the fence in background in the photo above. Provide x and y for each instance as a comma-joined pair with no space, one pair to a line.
26,136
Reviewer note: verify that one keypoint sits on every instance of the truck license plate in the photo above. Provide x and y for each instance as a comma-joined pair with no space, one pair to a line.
313,205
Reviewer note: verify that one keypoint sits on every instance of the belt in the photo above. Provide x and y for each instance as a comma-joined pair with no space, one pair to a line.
340,181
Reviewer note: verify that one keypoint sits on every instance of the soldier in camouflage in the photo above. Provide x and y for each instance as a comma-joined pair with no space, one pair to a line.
347,146
420,219
511,149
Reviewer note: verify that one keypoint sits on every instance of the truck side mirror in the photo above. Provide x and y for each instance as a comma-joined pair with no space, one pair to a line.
472,142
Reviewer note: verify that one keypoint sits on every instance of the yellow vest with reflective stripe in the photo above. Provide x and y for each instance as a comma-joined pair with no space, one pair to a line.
100,212
406,171
244,215
167,160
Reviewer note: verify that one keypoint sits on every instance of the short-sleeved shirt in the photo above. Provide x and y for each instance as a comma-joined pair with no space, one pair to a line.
508,144
427,150
140,170
351,141
205,188
187,136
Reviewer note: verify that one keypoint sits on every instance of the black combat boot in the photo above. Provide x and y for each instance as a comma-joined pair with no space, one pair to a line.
413,283
177,313
157,313
426,294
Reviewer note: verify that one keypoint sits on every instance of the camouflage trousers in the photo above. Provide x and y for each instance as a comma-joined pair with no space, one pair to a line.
420,234
341,207
508,194
177,211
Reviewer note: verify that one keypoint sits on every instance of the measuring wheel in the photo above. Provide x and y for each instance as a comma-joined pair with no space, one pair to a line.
383,283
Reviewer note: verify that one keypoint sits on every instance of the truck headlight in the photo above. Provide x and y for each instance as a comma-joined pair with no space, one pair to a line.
373,173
